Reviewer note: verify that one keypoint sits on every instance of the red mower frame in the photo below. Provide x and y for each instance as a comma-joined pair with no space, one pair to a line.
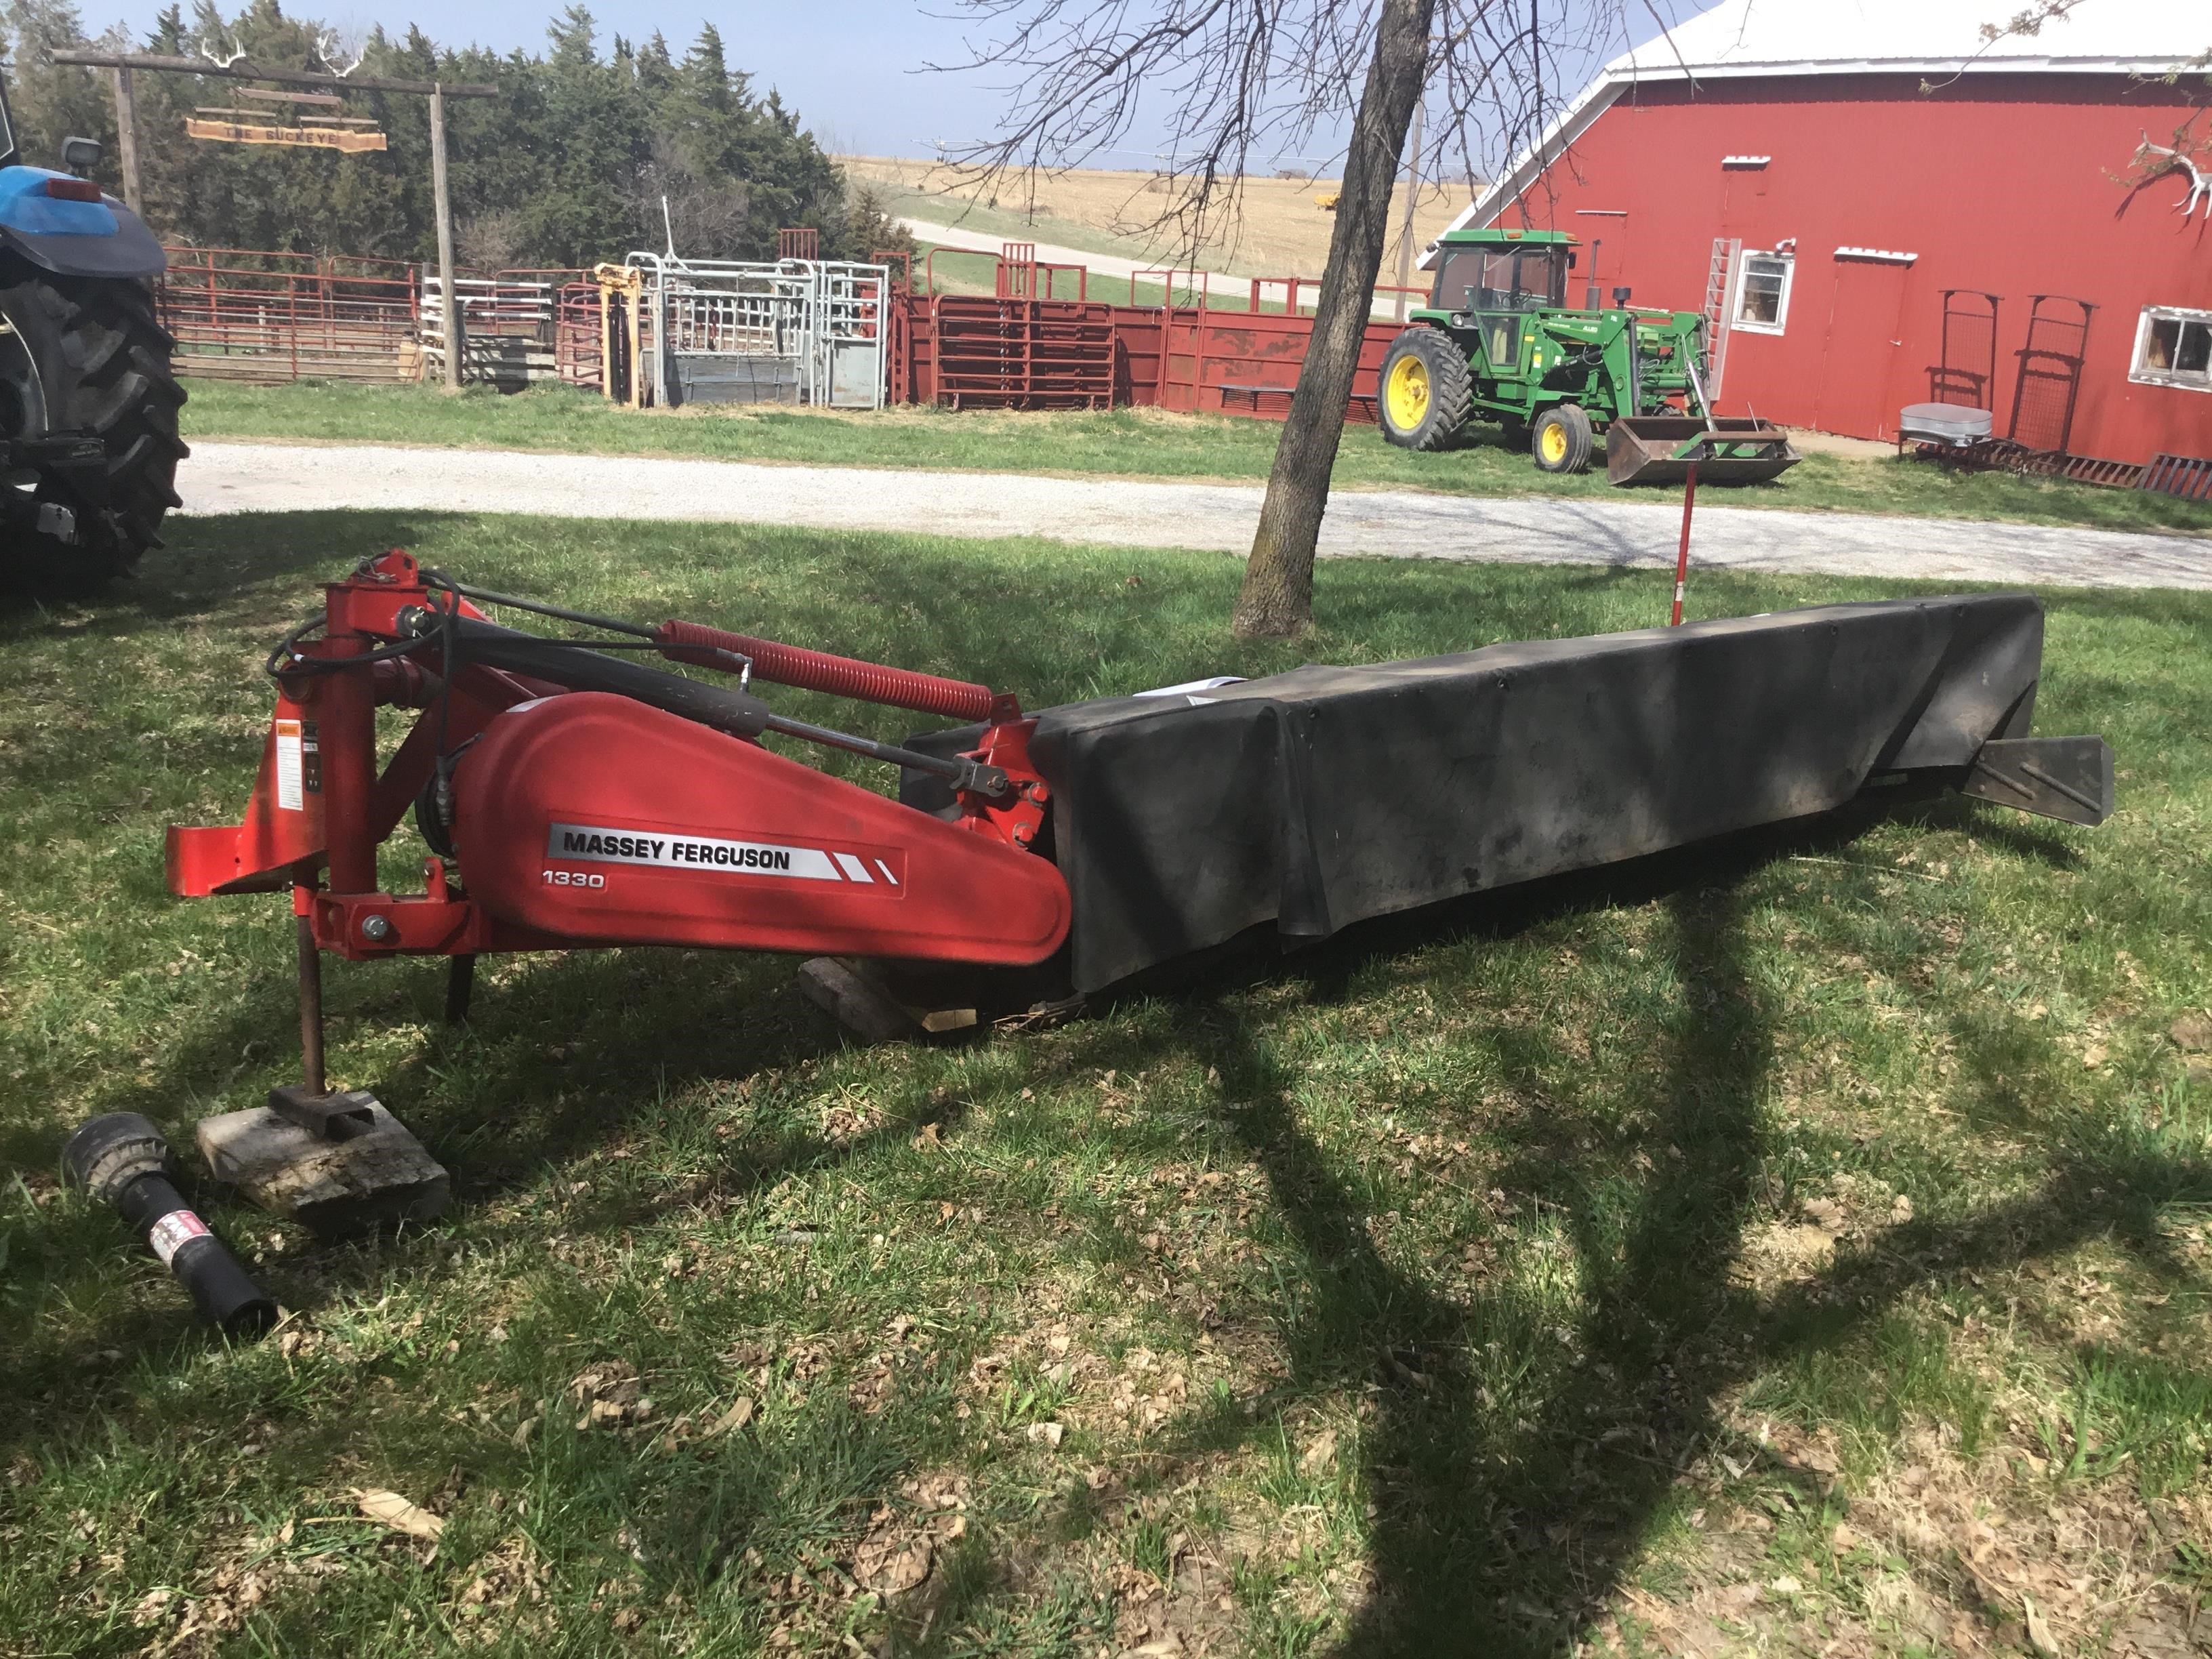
596,801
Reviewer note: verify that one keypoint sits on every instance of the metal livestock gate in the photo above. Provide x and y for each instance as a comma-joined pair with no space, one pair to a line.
795,331
251,314
964,351
266,315
509,325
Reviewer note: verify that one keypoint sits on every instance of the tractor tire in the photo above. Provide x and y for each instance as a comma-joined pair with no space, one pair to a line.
1424,390
1561,439
84,356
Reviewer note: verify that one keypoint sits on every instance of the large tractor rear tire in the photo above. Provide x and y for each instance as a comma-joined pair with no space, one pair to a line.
1561,439
82,358
1424,390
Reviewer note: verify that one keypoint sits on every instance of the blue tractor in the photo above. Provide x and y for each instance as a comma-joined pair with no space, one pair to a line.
88,402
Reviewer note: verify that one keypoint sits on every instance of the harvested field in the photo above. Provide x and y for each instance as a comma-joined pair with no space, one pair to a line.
1281,232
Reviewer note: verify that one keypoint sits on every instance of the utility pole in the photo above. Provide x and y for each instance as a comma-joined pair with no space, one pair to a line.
1406,231
449,302
126,139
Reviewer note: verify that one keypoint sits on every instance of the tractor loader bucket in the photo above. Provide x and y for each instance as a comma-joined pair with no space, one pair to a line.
1313,800
1659,449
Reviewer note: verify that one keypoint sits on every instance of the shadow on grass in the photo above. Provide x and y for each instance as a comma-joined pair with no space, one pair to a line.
1503,1519
1507,1513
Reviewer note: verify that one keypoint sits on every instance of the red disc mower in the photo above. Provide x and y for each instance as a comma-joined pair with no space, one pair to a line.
573,796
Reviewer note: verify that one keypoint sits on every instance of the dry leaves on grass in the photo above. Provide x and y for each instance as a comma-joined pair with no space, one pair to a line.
227,1595
893,1559
610,1392
1321,1455
505,1581
390,1509
1186,1614
942,1497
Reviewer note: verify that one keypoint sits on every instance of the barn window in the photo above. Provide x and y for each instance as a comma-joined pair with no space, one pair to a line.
2173,347
1762,293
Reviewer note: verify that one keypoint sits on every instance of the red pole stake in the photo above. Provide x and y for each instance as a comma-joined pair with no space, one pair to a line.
1682,559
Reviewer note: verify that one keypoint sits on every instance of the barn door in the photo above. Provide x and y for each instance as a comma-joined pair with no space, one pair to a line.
1857,390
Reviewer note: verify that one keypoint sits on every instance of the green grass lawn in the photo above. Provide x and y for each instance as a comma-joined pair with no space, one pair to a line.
1799,1245
1124,442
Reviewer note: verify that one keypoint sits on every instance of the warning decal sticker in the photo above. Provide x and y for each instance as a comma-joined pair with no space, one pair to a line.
673,851
291,768
173,1232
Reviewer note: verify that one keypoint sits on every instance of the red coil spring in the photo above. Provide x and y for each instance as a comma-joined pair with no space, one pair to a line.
818,671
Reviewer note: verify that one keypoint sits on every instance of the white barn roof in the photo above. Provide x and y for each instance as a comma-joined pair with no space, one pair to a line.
1743,38
1844,37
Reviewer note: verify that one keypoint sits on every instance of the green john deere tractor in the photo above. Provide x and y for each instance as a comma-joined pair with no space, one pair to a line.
1498,341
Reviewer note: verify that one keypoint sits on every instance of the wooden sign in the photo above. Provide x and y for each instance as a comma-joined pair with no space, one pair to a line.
344,140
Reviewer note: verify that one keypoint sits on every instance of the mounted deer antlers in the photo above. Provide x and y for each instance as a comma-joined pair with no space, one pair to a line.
2200,185
331,49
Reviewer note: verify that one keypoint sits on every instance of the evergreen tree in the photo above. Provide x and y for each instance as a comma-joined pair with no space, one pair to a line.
570,164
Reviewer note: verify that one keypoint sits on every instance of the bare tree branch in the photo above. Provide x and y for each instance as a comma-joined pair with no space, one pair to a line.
1231,82
1230,85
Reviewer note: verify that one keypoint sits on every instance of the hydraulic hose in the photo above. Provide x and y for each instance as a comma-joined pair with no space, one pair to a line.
590,670
121,1159
819,671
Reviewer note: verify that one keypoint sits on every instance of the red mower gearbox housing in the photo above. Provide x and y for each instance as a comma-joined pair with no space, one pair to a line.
592,818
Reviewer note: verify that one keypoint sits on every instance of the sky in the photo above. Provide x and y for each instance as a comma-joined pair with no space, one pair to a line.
846,66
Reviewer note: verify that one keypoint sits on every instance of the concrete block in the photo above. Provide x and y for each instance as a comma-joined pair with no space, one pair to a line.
377,1178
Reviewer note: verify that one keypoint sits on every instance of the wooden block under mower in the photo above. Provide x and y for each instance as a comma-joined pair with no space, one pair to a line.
340,1163
858,998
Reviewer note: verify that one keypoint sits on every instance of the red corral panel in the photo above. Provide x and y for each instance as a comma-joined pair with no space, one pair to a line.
1004,353
1880,195
973,352
1235,362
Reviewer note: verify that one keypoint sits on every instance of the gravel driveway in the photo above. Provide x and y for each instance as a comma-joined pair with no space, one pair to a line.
257,477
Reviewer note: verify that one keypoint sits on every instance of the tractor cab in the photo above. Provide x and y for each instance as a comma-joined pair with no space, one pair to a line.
1488,281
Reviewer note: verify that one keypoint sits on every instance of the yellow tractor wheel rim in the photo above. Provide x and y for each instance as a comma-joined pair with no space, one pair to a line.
1554,442
1408,394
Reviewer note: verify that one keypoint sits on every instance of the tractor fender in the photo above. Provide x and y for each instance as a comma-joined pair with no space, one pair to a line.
74,238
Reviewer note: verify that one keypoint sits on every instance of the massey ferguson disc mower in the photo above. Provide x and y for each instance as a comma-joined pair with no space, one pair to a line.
572,796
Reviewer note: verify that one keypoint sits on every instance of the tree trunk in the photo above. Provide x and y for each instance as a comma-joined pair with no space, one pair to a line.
1277,599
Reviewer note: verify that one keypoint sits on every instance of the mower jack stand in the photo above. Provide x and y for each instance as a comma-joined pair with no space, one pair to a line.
337,1161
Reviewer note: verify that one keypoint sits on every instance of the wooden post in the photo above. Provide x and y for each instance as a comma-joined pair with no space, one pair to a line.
126,140
636,346
449,301
1406,233
1682,559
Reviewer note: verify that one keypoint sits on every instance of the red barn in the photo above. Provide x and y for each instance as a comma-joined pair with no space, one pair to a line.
1817,176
